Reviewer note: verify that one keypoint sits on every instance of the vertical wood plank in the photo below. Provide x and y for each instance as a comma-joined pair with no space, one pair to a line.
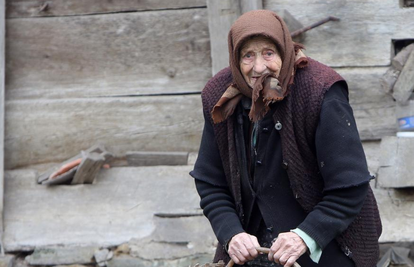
221,15
2,56
247,5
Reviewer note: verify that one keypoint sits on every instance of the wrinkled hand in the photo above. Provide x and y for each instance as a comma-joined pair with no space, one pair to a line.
242,248
287,248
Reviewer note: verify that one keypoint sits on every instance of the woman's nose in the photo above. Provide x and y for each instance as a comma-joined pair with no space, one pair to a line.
259,65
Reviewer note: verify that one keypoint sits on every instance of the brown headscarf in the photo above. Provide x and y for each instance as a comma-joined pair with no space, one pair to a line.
268,88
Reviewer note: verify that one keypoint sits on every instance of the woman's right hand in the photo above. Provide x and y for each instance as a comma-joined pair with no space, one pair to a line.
242,248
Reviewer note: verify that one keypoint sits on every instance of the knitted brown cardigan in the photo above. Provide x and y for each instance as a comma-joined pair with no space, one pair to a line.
299,114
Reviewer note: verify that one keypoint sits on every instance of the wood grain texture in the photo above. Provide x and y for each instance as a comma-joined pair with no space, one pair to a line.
89,168
116,54
404,86
362,37
396,168
221,15
374,110
55,130
2,115
150,158
37,8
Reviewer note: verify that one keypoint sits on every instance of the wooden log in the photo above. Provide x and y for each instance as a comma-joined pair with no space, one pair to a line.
396,166
60,128
400,59
363,36
37,8
157,52
404,86
153,158
89,168
389,79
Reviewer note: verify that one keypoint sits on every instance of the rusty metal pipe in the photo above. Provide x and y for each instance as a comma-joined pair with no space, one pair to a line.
314,25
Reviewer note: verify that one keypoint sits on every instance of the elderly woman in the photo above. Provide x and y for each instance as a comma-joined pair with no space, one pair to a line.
281,164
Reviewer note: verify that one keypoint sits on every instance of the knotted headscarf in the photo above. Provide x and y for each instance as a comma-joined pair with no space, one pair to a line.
268,88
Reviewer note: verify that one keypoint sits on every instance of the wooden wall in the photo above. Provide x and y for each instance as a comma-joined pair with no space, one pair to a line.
128,74
86,72
359,47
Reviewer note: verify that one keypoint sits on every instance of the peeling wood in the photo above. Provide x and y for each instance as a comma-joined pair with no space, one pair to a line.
116,54
41,8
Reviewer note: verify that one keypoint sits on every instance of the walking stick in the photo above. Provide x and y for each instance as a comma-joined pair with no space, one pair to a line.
262,250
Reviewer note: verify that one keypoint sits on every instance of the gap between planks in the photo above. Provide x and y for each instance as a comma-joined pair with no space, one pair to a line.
108,13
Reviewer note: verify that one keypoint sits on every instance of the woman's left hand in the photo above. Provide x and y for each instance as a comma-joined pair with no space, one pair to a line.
287,248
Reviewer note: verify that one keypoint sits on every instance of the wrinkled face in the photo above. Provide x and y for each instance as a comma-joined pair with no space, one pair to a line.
259,56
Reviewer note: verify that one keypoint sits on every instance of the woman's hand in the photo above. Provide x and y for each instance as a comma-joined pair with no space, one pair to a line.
242,248
287,248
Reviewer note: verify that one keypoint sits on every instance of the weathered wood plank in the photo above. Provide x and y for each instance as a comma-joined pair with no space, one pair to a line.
150,158
221,15
389,79
362,37
397,210
89,168
39,216
116,54
2,93
248,5
36,8
399,60
404,86
54,130
59,129
374,110
396,168
95,148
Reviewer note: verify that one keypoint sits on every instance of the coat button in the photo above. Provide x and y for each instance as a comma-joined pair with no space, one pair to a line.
269,229
265,129
278,126
259,162
285,165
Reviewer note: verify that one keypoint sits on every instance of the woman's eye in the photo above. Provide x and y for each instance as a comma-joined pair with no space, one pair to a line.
269,53
248,55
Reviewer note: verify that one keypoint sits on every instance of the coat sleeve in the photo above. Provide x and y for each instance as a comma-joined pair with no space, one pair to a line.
216,201
343,167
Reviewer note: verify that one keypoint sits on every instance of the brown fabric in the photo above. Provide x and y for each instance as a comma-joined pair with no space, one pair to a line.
299,114
265,23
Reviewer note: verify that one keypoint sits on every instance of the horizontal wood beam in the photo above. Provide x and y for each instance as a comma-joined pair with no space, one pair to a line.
40,8
115,54
39,131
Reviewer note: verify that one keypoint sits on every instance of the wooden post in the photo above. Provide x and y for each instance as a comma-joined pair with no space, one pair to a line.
221,15
247,5
2,90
